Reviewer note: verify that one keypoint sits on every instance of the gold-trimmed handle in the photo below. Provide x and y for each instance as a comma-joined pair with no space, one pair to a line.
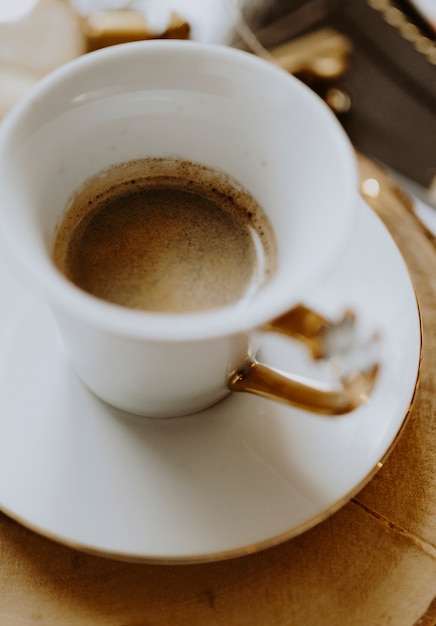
325,339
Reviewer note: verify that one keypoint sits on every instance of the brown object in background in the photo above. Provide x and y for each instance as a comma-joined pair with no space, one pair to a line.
387,100
109,28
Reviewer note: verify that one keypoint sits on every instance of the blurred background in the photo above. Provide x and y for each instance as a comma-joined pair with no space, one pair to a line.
372,61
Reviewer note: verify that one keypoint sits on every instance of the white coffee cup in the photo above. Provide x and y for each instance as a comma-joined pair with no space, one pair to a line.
209,104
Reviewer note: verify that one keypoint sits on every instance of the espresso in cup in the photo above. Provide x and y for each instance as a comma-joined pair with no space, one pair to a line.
230,111
165,235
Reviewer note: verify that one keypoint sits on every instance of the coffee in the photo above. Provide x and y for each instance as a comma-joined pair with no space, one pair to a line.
165,235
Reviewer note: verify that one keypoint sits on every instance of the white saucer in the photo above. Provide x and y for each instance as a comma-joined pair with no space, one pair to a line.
241,476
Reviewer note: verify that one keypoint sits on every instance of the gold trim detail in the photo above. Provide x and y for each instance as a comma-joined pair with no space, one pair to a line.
396,18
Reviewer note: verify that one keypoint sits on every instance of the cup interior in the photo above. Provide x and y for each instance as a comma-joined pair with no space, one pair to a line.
210,104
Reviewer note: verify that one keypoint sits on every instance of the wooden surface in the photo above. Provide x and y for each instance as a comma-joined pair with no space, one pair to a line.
371,564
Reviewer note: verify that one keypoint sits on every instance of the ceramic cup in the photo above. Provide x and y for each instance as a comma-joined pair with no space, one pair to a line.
209,104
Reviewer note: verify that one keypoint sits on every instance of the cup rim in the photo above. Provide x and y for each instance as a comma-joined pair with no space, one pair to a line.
211,324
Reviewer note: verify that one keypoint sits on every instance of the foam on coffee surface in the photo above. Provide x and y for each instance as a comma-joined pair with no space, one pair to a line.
165,235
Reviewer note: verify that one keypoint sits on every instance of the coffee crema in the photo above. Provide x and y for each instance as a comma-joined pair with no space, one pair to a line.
165,235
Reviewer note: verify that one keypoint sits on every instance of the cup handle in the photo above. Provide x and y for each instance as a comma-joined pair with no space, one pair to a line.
325,340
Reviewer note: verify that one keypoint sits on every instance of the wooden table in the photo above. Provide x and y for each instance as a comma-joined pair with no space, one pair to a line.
373,563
